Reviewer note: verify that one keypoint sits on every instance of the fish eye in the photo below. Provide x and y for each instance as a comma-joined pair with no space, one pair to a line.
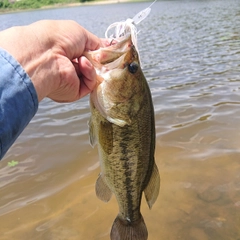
133,67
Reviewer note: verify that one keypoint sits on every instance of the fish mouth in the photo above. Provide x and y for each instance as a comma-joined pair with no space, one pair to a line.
110,57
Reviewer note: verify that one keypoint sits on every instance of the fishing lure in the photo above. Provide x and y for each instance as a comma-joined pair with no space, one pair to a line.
122,28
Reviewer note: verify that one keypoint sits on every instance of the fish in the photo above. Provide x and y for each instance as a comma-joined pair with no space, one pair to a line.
122,125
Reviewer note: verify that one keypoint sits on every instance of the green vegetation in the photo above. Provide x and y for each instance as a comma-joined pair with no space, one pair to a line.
12,163
32,4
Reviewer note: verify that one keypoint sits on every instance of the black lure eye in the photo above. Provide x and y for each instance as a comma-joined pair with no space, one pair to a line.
133,67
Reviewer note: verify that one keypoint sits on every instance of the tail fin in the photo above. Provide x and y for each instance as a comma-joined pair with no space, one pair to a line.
124,230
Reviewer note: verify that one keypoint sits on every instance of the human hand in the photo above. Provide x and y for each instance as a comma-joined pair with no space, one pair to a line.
51,53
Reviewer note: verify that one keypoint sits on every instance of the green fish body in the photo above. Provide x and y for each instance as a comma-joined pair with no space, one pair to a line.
122,125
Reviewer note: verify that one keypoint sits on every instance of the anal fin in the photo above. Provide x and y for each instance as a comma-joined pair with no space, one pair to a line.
152,189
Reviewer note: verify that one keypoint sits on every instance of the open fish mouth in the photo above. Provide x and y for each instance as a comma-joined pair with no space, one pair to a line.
111,57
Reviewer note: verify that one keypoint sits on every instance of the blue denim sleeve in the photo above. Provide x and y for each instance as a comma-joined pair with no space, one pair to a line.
18,100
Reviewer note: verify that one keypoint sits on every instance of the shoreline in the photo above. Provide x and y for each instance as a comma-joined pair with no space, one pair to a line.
92,3
74,4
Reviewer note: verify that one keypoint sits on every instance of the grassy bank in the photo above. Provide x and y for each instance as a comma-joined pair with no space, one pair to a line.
19,5
6,5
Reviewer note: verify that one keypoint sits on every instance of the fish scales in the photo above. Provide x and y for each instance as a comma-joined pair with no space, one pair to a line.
125,162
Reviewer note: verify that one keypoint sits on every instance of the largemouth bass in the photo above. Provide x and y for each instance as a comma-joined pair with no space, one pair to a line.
122,125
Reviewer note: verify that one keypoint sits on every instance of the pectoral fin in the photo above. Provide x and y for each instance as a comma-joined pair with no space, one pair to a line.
152,189
103,192
92,136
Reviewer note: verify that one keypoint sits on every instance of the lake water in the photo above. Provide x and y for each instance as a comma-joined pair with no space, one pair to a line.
190,52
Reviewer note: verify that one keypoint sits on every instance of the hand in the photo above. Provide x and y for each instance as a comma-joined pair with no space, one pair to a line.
51,53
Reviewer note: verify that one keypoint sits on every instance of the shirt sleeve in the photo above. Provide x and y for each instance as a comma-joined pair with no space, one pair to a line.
18,100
